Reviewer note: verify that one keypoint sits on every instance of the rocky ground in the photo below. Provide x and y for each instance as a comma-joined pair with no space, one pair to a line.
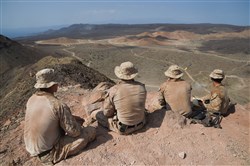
163,141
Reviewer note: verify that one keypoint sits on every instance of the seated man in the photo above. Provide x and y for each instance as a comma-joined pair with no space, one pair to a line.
51,133
175,93
218,100
124,107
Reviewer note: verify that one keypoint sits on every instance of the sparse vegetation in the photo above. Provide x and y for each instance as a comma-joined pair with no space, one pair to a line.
228,46
82,66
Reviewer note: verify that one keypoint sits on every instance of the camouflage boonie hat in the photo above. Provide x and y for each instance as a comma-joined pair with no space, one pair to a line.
45,78
217,74
126,71
174,71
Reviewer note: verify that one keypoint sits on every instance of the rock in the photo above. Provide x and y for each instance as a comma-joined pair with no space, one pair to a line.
3,151
7,123
182,155
13,126
133,162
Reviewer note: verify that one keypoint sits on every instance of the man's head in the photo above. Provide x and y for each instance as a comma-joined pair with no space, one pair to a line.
126,71
45,79
217,75
174,72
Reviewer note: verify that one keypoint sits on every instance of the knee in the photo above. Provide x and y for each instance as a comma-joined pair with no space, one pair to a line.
88,133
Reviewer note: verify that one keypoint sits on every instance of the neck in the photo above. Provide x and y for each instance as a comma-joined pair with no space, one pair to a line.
48,90
127,80
216,83
173,79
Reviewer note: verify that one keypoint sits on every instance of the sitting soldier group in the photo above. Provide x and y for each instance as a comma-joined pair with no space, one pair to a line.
175,95
52,133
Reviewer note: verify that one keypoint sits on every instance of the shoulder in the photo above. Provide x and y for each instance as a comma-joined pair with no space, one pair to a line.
222,91
113,90
182,81
164,86
219,89
54,101
57,105
187,84
139,83
216,91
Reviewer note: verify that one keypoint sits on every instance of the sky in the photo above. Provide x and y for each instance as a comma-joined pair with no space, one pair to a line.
39,15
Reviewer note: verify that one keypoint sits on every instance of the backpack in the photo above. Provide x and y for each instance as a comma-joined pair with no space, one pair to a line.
212,120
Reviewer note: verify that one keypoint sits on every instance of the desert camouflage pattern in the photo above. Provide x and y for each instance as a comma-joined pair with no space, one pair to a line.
219,100
68,146
50,126
114,124
176,95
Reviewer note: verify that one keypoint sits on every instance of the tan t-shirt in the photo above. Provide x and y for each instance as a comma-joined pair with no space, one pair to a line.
46,120
176,95
127,99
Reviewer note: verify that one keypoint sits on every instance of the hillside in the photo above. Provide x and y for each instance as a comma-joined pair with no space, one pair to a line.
14,55
104,31
160,142
20,64
220,46
85,55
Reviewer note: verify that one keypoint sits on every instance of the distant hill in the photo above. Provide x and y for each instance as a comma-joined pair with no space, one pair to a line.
13,54
91,31
18,67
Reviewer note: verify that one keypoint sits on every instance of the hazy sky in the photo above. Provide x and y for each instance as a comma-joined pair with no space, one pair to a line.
43,13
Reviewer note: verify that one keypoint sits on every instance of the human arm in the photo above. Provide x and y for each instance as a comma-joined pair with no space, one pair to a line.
205,98
67,122
108,106
215,103
161,99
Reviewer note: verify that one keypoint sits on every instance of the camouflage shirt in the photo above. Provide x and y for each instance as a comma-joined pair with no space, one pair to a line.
218,99
46,120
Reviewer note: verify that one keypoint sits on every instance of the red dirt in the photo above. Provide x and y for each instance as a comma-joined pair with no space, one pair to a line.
158,143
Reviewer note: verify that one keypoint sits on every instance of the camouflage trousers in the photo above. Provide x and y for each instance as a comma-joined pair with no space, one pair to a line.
114,124
68,146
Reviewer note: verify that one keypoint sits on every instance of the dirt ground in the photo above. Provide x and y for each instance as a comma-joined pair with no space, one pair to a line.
161,142
165,140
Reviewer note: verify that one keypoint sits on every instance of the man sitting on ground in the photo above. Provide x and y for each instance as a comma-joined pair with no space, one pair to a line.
175,93
51,132
124,107
217,100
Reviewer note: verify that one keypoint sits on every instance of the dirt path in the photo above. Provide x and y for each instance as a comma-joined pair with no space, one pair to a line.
218,56
241,80
141,55
72,53
154,87
197,53
152,59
